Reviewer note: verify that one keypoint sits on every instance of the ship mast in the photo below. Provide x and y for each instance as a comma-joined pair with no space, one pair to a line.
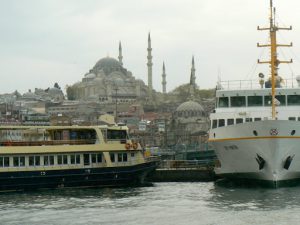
273,62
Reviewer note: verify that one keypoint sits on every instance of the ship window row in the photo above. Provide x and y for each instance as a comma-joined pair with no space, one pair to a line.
49,160
294,118
61,159
119,157
115,134
228,122
255,101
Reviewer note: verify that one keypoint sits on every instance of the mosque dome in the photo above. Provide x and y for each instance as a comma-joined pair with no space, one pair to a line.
90,76
107,65
54,90
189,109
29,94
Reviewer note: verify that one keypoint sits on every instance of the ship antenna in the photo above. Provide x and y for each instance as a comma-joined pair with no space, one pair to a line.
274,62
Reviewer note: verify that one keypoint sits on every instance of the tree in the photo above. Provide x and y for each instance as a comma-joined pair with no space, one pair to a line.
71,92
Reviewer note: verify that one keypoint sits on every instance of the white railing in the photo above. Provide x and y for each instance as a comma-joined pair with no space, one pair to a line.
254,84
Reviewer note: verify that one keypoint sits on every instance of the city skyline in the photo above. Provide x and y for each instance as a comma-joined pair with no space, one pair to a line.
43,42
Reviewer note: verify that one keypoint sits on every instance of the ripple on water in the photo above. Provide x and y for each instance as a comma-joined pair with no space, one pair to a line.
161,203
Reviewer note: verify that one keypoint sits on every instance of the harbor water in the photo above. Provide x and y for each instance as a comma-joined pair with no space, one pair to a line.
157,204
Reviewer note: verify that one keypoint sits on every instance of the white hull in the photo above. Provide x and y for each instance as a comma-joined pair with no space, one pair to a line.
262,150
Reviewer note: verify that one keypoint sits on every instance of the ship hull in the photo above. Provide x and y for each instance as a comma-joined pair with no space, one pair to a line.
85,177
267,152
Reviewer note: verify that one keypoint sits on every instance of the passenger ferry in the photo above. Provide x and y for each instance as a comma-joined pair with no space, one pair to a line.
255,128
35,157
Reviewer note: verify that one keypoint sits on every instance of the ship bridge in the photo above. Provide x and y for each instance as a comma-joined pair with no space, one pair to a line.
257,84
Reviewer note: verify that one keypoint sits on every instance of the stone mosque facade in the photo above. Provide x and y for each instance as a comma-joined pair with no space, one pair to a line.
109,80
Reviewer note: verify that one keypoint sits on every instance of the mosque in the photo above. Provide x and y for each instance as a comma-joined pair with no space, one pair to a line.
109,80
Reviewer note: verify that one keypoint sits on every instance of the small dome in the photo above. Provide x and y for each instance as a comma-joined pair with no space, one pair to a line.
90,76
30,95
190,106
107,65
189,109
54,90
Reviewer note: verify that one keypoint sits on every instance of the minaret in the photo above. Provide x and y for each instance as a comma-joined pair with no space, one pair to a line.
120,54
193,79
149,64
164,82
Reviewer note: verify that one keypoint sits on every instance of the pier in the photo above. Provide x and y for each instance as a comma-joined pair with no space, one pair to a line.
184,171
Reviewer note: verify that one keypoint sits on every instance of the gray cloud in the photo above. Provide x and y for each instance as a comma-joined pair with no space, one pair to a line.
42,42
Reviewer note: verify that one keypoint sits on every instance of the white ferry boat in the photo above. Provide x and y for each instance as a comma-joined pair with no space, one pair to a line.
35,157
255,128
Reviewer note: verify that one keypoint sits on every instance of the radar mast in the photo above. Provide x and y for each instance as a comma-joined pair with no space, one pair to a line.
274,62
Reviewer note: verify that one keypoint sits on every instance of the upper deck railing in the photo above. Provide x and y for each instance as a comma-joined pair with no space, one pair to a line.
46,143
255,84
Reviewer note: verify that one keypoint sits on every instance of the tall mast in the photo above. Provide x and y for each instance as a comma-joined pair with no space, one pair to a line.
273,62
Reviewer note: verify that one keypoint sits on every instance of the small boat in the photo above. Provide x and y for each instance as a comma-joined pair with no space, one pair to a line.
38,157
255,128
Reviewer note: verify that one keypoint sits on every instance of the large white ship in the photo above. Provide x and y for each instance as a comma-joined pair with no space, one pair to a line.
255,128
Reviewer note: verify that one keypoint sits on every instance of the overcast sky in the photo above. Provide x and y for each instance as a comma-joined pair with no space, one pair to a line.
48,41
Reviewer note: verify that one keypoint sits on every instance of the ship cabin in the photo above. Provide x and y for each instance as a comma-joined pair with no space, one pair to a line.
68,147
238,104
52,135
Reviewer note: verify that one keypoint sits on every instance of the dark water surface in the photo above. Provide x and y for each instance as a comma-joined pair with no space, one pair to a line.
159,204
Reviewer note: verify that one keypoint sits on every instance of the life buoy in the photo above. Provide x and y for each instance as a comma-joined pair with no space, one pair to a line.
135,145
127,146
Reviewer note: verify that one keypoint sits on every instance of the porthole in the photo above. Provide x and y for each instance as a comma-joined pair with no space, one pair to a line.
293,132
255,133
